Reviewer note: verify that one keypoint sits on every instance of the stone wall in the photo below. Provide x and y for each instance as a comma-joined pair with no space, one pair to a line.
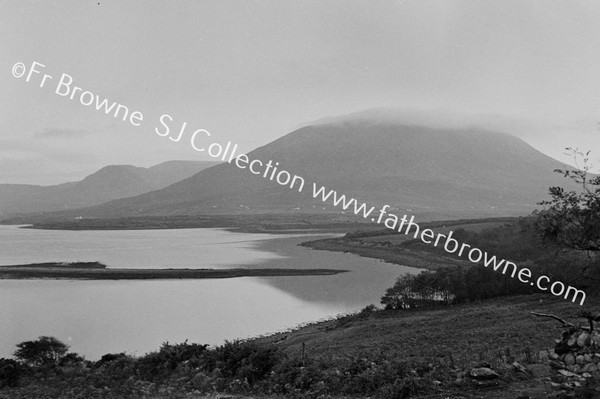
575,360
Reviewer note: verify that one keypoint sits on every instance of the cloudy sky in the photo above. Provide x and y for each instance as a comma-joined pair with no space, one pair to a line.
252,71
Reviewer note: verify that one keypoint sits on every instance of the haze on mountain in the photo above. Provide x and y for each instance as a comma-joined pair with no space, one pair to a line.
431,171
109,183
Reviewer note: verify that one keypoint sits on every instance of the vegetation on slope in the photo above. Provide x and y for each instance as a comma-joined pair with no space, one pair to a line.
376,353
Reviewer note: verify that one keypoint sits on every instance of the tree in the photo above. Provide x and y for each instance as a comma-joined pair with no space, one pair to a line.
400,295
572,218
45,351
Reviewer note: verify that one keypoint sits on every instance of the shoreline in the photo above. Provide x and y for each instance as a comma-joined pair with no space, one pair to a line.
251,223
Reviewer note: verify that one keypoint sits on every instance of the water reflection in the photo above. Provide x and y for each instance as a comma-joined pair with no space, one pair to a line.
97,317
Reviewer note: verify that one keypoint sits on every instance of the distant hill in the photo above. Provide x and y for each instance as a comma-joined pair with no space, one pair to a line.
429,172
110,182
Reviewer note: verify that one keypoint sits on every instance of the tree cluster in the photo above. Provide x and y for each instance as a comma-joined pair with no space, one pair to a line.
449,285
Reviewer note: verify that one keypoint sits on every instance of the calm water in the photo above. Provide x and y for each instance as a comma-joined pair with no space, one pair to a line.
98,317
189,248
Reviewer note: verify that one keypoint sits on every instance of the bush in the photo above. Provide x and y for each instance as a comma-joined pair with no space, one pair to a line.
110,357
116,366
71,359
243,360
355,376
160,364
10,373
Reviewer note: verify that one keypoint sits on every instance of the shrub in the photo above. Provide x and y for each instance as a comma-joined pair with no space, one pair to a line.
243,360
10,373
116,366
162,363
356,376
110,357
71,359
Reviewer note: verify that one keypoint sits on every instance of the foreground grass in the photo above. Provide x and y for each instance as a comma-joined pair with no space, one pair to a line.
463,334
371,354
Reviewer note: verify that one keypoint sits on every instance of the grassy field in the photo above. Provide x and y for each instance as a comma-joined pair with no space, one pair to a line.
469,333
449,340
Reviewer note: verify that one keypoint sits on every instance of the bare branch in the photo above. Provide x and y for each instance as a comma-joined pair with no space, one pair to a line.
564,322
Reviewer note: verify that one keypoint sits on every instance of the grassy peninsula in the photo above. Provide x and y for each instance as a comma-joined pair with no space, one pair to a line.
99,271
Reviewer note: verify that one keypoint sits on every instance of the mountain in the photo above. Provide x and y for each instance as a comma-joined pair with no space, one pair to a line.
109,183
429,172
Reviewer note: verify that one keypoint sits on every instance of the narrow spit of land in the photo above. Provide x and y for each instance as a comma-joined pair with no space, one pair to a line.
98,271
262,223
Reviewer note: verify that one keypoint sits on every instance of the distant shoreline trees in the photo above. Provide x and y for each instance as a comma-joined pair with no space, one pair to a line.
449,285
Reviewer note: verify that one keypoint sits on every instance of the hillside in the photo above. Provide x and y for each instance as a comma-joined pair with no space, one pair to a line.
110,182
432,173
377,354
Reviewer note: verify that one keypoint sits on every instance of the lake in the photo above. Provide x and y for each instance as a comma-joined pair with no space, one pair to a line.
98,317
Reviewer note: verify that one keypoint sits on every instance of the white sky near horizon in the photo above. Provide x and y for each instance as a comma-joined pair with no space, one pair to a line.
252,71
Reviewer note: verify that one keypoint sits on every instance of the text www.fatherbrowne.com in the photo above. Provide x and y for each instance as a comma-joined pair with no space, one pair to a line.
65,87
450,245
